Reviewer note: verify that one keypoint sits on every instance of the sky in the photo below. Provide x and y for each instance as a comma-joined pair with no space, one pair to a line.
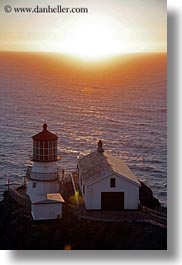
109,27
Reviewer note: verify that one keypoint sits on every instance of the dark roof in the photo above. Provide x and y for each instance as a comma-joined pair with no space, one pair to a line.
45,135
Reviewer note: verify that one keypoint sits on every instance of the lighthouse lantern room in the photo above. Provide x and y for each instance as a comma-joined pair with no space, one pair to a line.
43,185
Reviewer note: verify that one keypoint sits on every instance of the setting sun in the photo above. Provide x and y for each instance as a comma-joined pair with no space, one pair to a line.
94,39
106,30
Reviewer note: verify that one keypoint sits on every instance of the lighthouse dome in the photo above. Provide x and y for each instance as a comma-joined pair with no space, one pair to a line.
45,135
45,146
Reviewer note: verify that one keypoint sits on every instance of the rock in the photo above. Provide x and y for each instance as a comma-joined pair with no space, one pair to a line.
18,231
146,197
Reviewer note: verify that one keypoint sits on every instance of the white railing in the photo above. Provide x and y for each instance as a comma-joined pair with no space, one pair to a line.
76,192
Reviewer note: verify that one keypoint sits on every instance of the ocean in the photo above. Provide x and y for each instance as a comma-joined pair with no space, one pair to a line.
121,101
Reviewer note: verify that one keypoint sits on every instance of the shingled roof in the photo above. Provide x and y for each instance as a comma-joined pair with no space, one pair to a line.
98,165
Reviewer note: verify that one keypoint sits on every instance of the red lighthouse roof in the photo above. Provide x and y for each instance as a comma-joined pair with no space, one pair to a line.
45,135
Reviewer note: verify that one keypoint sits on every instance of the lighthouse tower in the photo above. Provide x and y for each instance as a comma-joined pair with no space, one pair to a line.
43,185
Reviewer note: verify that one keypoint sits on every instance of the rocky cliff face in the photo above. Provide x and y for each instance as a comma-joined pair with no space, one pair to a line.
146,197
18,231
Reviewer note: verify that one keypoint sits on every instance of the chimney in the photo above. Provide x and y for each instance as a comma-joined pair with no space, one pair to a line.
99,148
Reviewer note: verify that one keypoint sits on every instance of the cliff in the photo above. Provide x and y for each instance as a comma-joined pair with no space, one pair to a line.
18,231
146,197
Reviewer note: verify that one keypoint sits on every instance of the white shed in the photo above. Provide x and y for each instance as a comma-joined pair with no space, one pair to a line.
47,206
106,182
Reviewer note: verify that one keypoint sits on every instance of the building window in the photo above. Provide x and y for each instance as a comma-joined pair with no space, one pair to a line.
112,182
34,185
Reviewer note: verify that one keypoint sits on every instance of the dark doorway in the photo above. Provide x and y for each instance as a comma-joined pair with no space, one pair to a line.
112,201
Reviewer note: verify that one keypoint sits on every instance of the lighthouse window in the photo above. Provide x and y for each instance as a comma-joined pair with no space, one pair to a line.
34,185
46,144
45,150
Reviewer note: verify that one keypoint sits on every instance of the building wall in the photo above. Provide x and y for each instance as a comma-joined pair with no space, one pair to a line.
40,187
92,196
46,211
44,170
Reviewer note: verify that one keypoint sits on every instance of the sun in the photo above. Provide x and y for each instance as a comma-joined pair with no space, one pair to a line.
91,39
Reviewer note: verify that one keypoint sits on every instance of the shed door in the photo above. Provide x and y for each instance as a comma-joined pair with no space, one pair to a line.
112,201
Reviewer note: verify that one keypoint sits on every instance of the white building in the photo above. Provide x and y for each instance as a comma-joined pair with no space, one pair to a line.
48,206
106,182
43,185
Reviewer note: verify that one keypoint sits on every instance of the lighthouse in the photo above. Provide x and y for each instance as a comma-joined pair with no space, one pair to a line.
43,180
